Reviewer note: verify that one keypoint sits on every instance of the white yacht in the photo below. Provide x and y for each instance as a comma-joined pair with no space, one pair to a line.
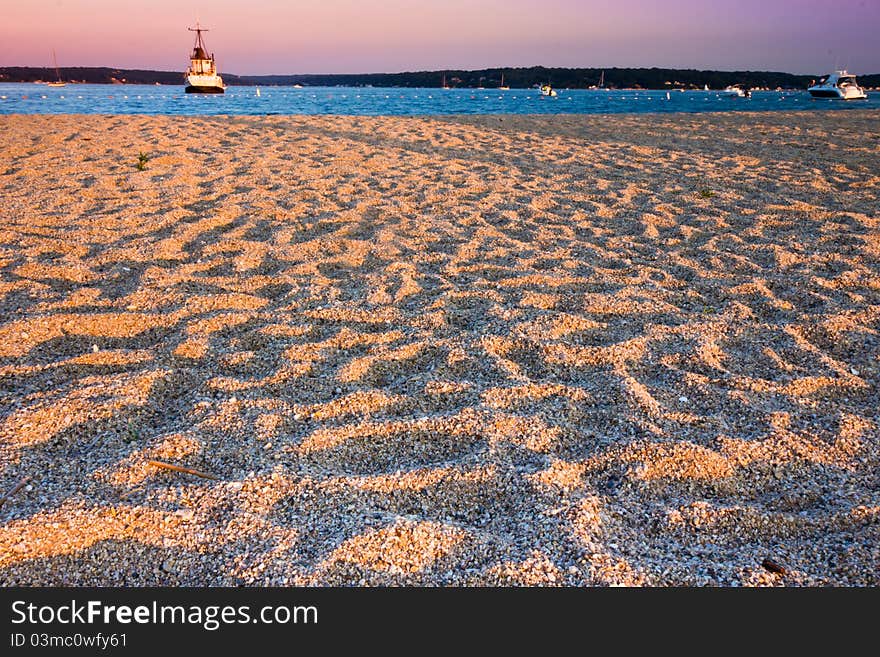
839,84
202,76
733,92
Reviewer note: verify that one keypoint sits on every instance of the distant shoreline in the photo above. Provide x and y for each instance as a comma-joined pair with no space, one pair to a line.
517,78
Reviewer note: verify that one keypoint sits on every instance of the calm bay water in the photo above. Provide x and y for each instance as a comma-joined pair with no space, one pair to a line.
152,99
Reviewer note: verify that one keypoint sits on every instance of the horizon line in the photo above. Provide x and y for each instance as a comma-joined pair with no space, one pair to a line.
448,70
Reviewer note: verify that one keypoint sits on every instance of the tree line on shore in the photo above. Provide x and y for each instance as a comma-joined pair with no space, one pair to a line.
571,78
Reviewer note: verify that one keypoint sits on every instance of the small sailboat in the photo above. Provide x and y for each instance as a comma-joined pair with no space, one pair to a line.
601,86
201,76
443,84
503,87
58,82
547,90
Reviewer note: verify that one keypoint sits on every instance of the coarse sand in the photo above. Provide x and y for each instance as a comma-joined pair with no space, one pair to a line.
489,350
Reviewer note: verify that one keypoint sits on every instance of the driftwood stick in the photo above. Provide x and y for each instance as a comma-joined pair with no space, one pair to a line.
21,484
177,468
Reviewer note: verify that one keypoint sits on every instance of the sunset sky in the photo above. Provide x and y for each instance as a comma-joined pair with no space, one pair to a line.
359,36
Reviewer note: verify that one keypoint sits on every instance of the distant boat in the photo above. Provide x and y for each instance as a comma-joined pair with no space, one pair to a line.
601,84
732,92
58,82
503,87
547,90
839,84
443,84
201,76
297,86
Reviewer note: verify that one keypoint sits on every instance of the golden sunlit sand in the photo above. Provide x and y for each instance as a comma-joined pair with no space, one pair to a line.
485,350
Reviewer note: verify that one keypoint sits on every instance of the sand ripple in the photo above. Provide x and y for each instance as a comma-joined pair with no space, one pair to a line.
483,350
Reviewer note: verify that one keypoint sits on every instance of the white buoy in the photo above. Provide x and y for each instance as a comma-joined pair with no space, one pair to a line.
667,96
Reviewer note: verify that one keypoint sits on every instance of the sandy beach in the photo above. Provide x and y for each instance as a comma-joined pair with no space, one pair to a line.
488,350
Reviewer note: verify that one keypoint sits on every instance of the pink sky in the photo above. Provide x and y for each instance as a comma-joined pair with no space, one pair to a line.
356,36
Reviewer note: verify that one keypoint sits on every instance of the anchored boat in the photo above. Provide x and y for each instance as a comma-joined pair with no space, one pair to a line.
57,82
839,84
201,76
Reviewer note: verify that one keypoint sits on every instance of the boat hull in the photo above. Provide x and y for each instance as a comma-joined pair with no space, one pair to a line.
198,89
825,93
833,93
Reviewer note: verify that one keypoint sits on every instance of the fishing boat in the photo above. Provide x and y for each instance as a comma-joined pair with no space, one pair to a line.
839,84
58,82
547,90
201,76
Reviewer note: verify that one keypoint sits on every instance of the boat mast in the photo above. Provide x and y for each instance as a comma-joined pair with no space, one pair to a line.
200,43
55,63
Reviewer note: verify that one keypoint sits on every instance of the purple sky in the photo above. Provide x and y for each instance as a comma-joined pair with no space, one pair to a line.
356,36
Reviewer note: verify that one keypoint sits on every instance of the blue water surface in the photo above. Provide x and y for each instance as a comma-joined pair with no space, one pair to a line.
32,98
